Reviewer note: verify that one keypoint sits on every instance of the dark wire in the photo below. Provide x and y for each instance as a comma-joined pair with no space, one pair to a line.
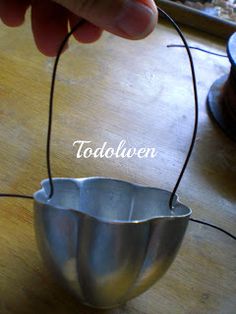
17,196
51,115
196,106
213,226
200,49
49,133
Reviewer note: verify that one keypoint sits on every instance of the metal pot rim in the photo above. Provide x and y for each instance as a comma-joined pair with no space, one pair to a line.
173,216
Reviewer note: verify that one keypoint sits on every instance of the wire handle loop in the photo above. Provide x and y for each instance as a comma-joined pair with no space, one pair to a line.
193,137
60,50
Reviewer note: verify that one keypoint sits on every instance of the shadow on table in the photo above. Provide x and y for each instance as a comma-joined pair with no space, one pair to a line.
217,156
43,295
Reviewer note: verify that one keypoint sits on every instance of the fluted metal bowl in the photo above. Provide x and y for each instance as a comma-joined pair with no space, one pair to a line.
107,240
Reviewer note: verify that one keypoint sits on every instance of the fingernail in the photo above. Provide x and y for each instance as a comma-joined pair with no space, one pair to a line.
136,19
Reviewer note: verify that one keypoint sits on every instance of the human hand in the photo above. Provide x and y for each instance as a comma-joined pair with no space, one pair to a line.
132,19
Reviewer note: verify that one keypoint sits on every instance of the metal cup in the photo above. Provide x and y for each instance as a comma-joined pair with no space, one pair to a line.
107,240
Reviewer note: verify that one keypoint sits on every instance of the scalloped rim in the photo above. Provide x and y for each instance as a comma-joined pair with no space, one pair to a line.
78,180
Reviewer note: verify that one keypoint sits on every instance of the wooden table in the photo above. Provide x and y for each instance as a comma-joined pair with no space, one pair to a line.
109,91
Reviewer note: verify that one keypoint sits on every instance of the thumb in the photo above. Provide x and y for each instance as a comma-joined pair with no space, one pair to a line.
133,19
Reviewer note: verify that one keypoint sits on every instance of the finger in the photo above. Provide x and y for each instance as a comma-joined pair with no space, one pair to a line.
87,33
132,19
49,25
12,12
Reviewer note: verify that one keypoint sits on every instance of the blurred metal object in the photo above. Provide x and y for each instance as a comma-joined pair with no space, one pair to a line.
197,19
221,98
107,240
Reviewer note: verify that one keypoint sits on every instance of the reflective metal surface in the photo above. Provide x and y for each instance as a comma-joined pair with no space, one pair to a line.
107,240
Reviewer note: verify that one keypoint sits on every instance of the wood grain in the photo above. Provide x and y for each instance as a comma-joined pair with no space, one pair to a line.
116,89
